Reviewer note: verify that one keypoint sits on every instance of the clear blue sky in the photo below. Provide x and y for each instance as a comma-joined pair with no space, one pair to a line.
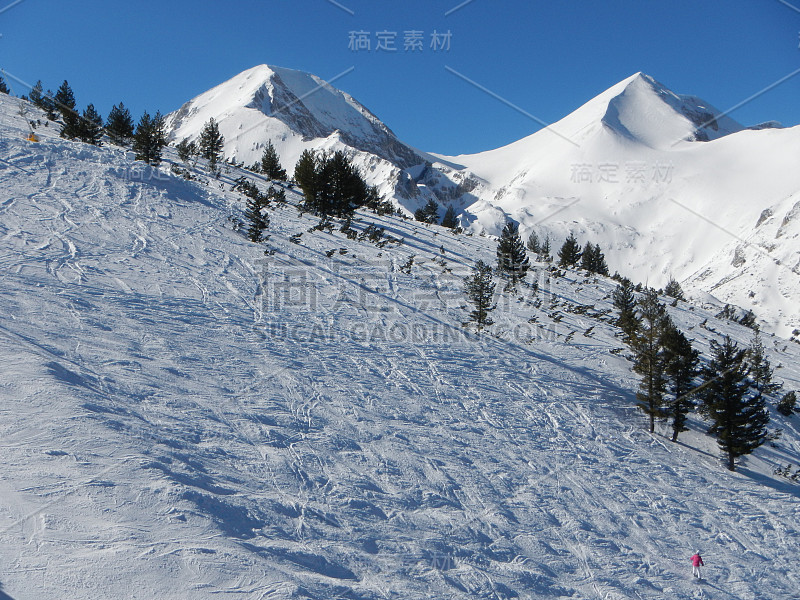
547,58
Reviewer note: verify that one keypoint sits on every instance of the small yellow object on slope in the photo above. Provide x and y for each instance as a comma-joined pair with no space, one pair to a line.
32,137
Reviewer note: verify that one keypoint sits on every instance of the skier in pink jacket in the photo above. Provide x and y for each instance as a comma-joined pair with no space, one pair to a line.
697,562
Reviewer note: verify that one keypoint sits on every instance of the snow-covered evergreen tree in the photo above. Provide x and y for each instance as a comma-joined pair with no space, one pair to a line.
450,219
119,125
90,126
625,301
570,252
761,371
428,213
680,368
64,101
258,217
271,164
512,258
673,289
788,404
738,420
479,288
149,139
211,142
649,361
533,243
305,174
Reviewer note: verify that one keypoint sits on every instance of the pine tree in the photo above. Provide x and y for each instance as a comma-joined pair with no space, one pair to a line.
259,220
649,361
545,251
593,260
49,105
36,96
788,404
450,219
680,368
305,174
739,422
332,185
588,258
479,288
673,290
186,150
570,252
271,164
749,320
64,101
90,127
339,186
625,301
211,143
600,265
3,87
533,243
149,139
119,125
761,371
512,258
428,213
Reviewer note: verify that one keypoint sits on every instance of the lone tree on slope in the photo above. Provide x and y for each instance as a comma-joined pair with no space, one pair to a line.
256,214
480,289
271,164
211,142
512,258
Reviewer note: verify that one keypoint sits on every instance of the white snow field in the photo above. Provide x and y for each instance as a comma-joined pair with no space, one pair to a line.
183,416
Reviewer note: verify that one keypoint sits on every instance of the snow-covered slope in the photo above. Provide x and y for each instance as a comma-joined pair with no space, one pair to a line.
296,111
630,171
183,415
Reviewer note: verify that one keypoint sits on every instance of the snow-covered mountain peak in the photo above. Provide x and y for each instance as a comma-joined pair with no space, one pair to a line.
278,104
644,110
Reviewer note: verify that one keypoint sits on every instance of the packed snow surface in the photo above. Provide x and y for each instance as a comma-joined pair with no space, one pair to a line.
187,414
